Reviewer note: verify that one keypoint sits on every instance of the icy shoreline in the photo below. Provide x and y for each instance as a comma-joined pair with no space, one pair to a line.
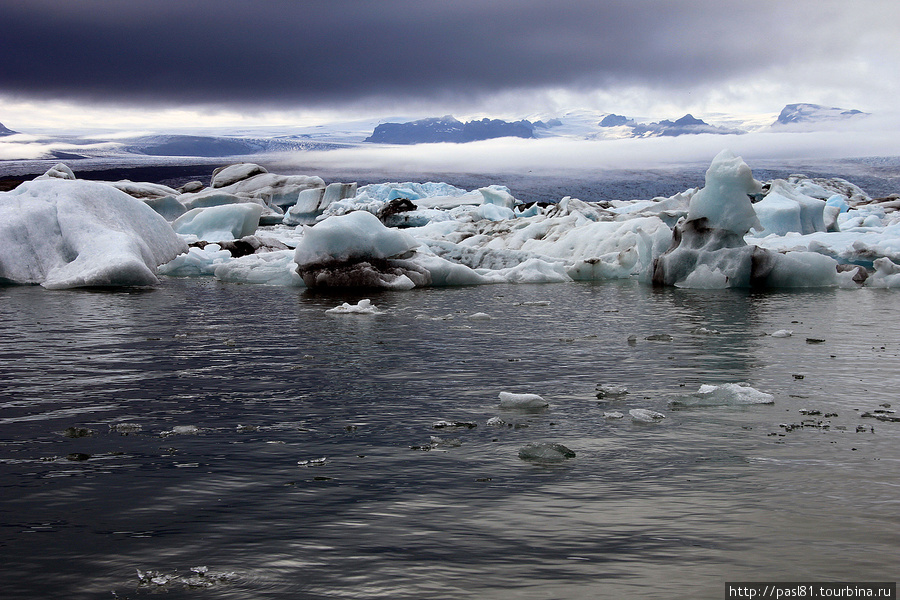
252,226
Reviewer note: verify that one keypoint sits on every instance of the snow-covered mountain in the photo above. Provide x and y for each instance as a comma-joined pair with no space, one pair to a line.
449,129
5,130
814,113
686,125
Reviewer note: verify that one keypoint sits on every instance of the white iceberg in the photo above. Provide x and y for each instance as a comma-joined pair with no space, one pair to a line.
64,233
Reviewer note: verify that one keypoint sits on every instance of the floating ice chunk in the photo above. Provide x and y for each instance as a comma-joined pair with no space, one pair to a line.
498,195
218,223
522,401
604,390
886,275
479,316
704,277
357,250
724,201
496,422
446,424
783,333
230,174
786,210
270,268
613,415
363,307
63,234
493,212
58,171
645,415
546,452
725,394
197,262
185,430
354,236
313,462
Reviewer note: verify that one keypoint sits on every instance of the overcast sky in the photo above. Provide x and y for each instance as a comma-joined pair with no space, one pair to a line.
126,62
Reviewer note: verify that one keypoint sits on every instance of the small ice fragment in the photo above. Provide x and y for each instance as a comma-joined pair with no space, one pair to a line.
783,333
546,452
185,429
363,307
125,427
479,316
446,424
525,401
496,422
315,462
448,443
704,331
613,415
200,570
645,415
604,390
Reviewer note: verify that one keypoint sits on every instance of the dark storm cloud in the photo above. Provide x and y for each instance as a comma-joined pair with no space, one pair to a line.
320,52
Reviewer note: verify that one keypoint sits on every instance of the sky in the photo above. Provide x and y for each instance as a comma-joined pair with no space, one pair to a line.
175,63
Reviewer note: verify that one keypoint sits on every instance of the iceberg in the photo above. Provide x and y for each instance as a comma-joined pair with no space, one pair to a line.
65,233
218,223
357,250
709,250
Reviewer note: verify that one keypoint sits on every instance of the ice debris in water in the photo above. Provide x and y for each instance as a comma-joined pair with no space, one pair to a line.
645,415
725,394
546,452
200,577
185,430
613,415
604,390
363,307
479,316
523,401
447,424
783,333
496,422
313,462
125,428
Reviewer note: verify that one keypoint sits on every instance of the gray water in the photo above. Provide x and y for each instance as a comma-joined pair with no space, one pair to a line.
268,379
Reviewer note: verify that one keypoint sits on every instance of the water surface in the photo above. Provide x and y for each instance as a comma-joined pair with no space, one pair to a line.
201,398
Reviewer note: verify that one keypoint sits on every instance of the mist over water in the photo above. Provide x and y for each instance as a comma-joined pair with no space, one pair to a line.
201,399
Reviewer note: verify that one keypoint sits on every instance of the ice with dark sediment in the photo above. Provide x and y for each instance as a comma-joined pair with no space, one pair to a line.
733,232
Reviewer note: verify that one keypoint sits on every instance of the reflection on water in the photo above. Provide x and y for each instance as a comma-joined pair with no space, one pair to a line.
161,430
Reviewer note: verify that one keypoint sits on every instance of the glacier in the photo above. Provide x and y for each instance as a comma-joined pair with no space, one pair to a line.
253,226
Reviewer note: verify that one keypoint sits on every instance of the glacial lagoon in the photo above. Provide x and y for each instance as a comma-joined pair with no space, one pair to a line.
210,440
